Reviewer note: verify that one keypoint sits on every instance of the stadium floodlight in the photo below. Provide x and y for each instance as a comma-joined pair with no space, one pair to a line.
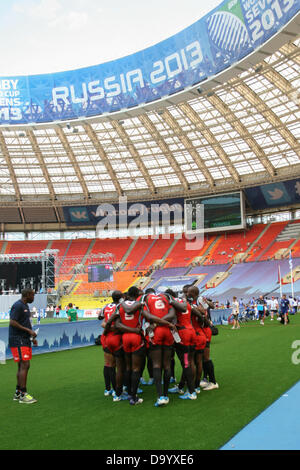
200,91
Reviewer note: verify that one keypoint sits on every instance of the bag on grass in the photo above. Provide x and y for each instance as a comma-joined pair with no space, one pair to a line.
214,330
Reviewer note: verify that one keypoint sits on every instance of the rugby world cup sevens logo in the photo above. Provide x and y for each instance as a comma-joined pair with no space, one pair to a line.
154,216
226,28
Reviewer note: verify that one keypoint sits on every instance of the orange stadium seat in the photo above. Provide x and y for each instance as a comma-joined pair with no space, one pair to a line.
26,246
266,240
116,246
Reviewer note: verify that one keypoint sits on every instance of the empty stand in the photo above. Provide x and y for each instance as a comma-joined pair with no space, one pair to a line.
157,251
266,241
28,246
138,252
118,247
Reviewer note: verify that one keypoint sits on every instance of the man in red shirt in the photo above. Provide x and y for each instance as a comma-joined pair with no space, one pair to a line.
161,343
111,341
130,317
202,356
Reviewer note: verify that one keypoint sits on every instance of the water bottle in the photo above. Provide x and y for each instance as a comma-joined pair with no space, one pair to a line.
36,331
176,337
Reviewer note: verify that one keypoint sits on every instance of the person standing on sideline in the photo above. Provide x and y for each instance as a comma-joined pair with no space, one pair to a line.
72,313
21,335
261,309
273,307
235,313
284,310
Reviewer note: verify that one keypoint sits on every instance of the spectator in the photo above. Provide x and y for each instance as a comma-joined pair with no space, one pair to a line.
72,313
235,313
273,307
284,310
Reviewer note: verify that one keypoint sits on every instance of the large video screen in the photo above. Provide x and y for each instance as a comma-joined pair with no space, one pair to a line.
100,273
214,213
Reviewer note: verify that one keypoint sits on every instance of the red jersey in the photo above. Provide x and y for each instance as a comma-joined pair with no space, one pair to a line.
133,320
184,318
195,322
108,311
158,305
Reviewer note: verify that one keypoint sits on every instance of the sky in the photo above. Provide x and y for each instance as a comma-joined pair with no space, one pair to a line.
44,36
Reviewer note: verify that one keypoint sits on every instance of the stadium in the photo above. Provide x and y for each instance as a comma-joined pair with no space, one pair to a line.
177,165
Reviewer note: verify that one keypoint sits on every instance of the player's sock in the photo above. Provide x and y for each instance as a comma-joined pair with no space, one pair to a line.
23,391
157,380
135,380
127,381
106,373
172,367
167,377
205,369
150,367
182,381
189,379
113,377
211,371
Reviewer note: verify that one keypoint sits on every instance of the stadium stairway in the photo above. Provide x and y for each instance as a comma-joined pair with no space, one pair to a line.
212,250
165,259
63,246
140,263
269,238
126,255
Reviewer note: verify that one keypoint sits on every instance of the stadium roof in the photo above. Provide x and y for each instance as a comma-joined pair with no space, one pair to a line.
239,133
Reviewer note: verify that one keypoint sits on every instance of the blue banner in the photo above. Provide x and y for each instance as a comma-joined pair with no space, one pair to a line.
218,316
60,336
274,194
217,41
92,215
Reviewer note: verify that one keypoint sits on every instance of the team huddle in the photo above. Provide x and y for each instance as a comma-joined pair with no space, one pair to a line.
148,328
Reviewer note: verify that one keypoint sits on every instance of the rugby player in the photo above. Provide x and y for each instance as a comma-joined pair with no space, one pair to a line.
130,324
21,335
185,350
202,353
161,342
111,341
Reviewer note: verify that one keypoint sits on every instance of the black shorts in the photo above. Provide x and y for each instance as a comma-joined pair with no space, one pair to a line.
184,349
118,353
199,351
154,347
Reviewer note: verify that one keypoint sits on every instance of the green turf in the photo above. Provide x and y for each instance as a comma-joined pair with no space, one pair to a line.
253,367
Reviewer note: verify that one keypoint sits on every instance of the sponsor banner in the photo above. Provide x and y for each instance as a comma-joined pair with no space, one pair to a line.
174,283
91,313
274,194
217,41
124,213
60,336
